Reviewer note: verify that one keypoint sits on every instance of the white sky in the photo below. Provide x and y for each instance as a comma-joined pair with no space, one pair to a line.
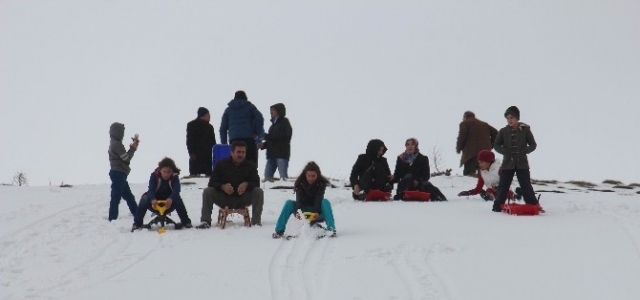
347,71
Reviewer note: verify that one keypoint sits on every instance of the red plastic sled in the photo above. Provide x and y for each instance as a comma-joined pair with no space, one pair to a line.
416,196
377,195
521,209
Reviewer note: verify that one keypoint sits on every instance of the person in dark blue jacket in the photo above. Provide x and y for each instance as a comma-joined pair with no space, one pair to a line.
242,121
164,184
309,188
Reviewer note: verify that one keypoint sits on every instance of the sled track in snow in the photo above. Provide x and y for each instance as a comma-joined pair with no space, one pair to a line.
625,223
419,271
296,270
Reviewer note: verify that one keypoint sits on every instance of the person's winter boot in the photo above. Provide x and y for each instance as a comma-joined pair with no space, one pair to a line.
204,225
135,227
278,234
334,234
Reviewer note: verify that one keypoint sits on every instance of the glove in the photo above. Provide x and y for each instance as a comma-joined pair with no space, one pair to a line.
464,193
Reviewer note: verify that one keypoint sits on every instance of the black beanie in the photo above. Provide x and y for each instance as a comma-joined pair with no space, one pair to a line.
240,95
514,111
202,111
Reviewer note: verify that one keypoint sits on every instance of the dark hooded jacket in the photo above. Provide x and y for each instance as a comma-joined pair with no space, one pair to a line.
119,158
241,120
367,160
278,139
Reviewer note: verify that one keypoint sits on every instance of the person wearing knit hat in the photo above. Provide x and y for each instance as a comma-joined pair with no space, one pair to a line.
474,135
488,177
412,173
242,121
201,137
515,141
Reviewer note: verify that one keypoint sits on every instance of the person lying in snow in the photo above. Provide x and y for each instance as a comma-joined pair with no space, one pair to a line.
489,177
412,173
309,188
164,184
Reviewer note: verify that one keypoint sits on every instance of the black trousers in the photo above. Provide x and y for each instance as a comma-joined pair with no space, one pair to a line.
470,167
406,184
506,178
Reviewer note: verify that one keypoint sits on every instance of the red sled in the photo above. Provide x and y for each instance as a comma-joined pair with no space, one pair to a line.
377,195
521,209
416,196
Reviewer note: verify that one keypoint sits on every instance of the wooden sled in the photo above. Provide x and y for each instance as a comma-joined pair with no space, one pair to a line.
224,212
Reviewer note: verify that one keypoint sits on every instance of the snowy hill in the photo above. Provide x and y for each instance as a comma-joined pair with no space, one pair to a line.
55,244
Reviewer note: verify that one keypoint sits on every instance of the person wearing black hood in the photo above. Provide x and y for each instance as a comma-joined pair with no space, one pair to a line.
242,121
371,171
278,143
200,140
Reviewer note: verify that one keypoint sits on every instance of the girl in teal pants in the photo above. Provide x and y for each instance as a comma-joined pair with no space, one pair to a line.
309,188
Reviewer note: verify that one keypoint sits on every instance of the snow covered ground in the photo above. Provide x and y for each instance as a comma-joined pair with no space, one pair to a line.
55,244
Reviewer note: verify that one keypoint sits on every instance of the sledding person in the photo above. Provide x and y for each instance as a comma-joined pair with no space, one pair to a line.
278,143
234,183
371,171
200,140
412,173
474,135
120,159
164,184
309,188
488,176
242,121
514,141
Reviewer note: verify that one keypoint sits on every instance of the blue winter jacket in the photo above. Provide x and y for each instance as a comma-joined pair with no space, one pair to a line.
242,120
160,189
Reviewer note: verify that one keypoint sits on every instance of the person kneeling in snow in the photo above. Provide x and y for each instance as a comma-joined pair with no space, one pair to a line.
412,173
309,188
488,176
164,184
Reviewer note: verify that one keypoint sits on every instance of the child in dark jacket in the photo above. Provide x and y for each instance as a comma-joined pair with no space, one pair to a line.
164,184
514,141
309,188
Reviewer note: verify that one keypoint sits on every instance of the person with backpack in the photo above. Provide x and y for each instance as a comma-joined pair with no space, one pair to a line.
242,121
164,184
309,188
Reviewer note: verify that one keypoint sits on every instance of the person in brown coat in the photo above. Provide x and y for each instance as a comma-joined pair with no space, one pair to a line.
474,136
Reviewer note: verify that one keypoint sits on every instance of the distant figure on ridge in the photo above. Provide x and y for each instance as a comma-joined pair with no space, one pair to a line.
242,121
474,135
278,143
200,140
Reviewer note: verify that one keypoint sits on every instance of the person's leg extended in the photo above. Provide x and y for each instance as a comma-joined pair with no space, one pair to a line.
207,204
506,177
118,180
270,169
142,210
178,204
283,168
256,200
327,213
524,179
288,208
